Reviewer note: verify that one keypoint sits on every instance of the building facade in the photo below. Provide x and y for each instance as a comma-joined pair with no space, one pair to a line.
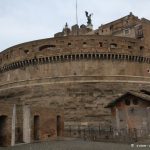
25,123
79,70
131,111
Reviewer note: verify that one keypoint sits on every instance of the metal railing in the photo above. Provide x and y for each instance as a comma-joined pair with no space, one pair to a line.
95,133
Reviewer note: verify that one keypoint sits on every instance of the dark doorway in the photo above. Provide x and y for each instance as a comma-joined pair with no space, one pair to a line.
18,135
36,127
3,130
58,125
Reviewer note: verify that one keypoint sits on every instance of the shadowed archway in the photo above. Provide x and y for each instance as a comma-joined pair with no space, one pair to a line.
3,130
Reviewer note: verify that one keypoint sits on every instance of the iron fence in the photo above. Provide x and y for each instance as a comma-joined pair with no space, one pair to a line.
96,133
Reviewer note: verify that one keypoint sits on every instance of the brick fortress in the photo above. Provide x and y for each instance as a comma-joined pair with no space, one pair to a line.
76,73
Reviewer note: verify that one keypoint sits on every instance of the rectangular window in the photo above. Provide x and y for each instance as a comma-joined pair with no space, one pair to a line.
126,31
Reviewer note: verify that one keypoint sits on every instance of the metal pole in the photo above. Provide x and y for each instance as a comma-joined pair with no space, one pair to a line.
77,12
77,16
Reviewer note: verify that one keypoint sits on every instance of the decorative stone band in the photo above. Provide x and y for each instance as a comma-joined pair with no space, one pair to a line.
73,57
76,79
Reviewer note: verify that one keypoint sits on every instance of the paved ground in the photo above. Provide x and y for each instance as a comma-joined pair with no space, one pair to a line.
75,145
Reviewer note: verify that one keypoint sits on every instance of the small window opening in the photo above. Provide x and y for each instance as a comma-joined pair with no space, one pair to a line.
135,101
127,102
129,47
113,45
116,56
73,57
69,44
100,44
26,51
112,56
57,57
65,56
84,44
89,55
108,56
52,45
54,58
111,27
61,57
105,56
141,47
6,56
77,56
46,47
85,56
126,31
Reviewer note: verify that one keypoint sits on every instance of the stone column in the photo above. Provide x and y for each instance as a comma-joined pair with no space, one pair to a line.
13,125
117,119
148,119
26,124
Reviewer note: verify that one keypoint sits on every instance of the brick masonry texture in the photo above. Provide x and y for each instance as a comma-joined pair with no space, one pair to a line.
78,74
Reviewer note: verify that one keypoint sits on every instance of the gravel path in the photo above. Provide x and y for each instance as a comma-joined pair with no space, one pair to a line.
74,145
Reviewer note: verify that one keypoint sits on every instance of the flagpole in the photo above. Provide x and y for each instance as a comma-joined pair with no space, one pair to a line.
77,12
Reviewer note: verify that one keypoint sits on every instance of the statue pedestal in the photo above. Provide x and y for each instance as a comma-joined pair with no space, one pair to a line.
90,26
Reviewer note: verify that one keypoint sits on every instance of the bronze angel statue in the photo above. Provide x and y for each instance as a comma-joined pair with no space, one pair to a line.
89,20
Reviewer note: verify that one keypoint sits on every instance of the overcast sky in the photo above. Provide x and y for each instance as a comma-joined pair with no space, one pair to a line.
26,20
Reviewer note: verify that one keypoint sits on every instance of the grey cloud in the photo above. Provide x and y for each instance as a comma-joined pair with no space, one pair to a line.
25,20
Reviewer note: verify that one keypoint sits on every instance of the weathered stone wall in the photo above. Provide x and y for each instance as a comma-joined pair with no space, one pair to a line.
120,26
77,68
77,74
6,110
70,45
81,100
131,116
48,122
17,123
146,30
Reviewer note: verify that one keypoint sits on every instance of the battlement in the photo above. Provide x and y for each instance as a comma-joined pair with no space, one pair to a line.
74,31
73,44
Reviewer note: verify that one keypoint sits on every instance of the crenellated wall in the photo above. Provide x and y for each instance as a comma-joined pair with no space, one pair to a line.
72,44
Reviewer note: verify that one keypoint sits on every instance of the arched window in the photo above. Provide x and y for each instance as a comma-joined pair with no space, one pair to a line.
46,47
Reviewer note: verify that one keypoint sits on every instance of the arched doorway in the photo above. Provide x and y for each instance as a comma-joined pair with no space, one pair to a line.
3,130
58,125
36,127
